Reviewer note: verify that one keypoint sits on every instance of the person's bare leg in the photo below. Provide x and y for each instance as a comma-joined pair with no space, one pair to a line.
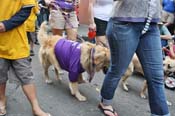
30,92
72,34
32,48
2,91
31,45
57,31
2,98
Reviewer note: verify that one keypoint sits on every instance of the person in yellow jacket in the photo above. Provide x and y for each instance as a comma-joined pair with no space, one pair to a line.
30,27
14,52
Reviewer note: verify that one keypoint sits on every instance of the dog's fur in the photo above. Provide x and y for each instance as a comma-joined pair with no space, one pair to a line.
47,57
168,63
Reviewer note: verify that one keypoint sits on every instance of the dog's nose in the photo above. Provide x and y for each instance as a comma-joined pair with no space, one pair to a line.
105,69
169,66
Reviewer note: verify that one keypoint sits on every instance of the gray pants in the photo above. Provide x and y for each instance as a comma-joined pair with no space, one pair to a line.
16,71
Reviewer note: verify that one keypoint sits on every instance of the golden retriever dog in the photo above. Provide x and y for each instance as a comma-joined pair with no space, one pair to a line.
168,65
71,56
134,66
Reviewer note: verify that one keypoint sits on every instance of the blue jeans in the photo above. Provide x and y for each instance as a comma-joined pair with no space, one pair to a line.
125,39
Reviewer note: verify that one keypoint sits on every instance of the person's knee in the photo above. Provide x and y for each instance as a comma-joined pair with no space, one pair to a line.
113,70
3,76
156,76
28,78
27,81
23,70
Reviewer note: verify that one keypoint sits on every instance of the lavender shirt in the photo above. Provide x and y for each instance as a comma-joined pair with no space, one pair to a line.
68,54
136,10
64,4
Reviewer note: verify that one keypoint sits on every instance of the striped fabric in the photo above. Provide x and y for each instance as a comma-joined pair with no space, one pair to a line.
151,11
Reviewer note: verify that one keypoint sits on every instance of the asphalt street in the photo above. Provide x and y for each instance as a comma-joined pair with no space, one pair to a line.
57,100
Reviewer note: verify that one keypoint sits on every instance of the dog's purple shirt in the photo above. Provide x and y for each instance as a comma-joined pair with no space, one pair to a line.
68,54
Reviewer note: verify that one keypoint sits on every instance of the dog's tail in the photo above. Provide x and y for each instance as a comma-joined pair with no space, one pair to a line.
43,33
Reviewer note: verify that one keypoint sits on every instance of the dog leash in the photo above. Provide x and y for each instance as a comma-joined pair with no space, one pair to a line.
92,65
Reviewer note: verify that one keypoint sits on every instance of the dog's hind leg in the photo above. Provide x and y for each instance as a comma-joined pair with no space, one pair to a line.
127,74
57,73
142,93
56,65
47,79
45,65
75,91
124,82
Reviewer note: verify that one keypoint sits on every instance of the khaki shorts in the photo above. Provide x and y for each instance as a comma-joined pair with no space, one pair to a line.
57,20
167,17
18,71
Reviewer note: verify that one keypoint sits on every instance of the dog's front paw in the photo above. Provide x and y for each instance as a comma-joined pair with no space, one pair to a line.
142,95
81,98
125,87
169,103
48,81
59,78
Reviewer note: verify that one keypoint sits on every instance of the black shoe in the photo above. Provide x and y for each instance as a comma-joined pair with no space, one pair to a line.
30,59
37,43
32,53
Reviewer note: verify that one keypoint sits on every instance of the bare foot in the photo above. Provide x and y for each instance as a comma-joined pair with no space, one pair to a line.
3,106
40,113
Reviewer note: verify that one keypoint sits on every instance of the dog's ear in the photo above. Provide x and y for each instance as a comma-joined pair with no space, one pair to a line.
168,64
99,58
102,54
107,52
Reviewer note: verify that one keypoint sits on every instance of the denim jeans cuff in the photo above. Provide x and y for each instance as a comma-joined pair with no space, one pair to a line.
105,101
161,115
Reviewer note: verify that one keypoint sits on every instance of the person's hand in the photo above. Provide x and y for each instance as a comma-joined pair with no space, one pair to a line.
170,43
92,27
2,27
49,2
40,6
164,49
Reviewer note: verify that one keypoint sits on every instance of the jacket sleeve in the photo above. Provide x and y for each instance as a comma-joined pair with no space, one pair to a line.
17,19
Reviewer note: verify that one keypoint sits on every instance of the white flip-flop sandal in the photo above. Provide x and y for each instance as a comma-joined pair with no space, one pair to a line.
3,111
49,114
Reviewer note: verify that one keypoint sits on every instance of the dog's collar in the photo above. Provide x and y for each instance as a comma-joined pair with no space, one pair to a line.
91,65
